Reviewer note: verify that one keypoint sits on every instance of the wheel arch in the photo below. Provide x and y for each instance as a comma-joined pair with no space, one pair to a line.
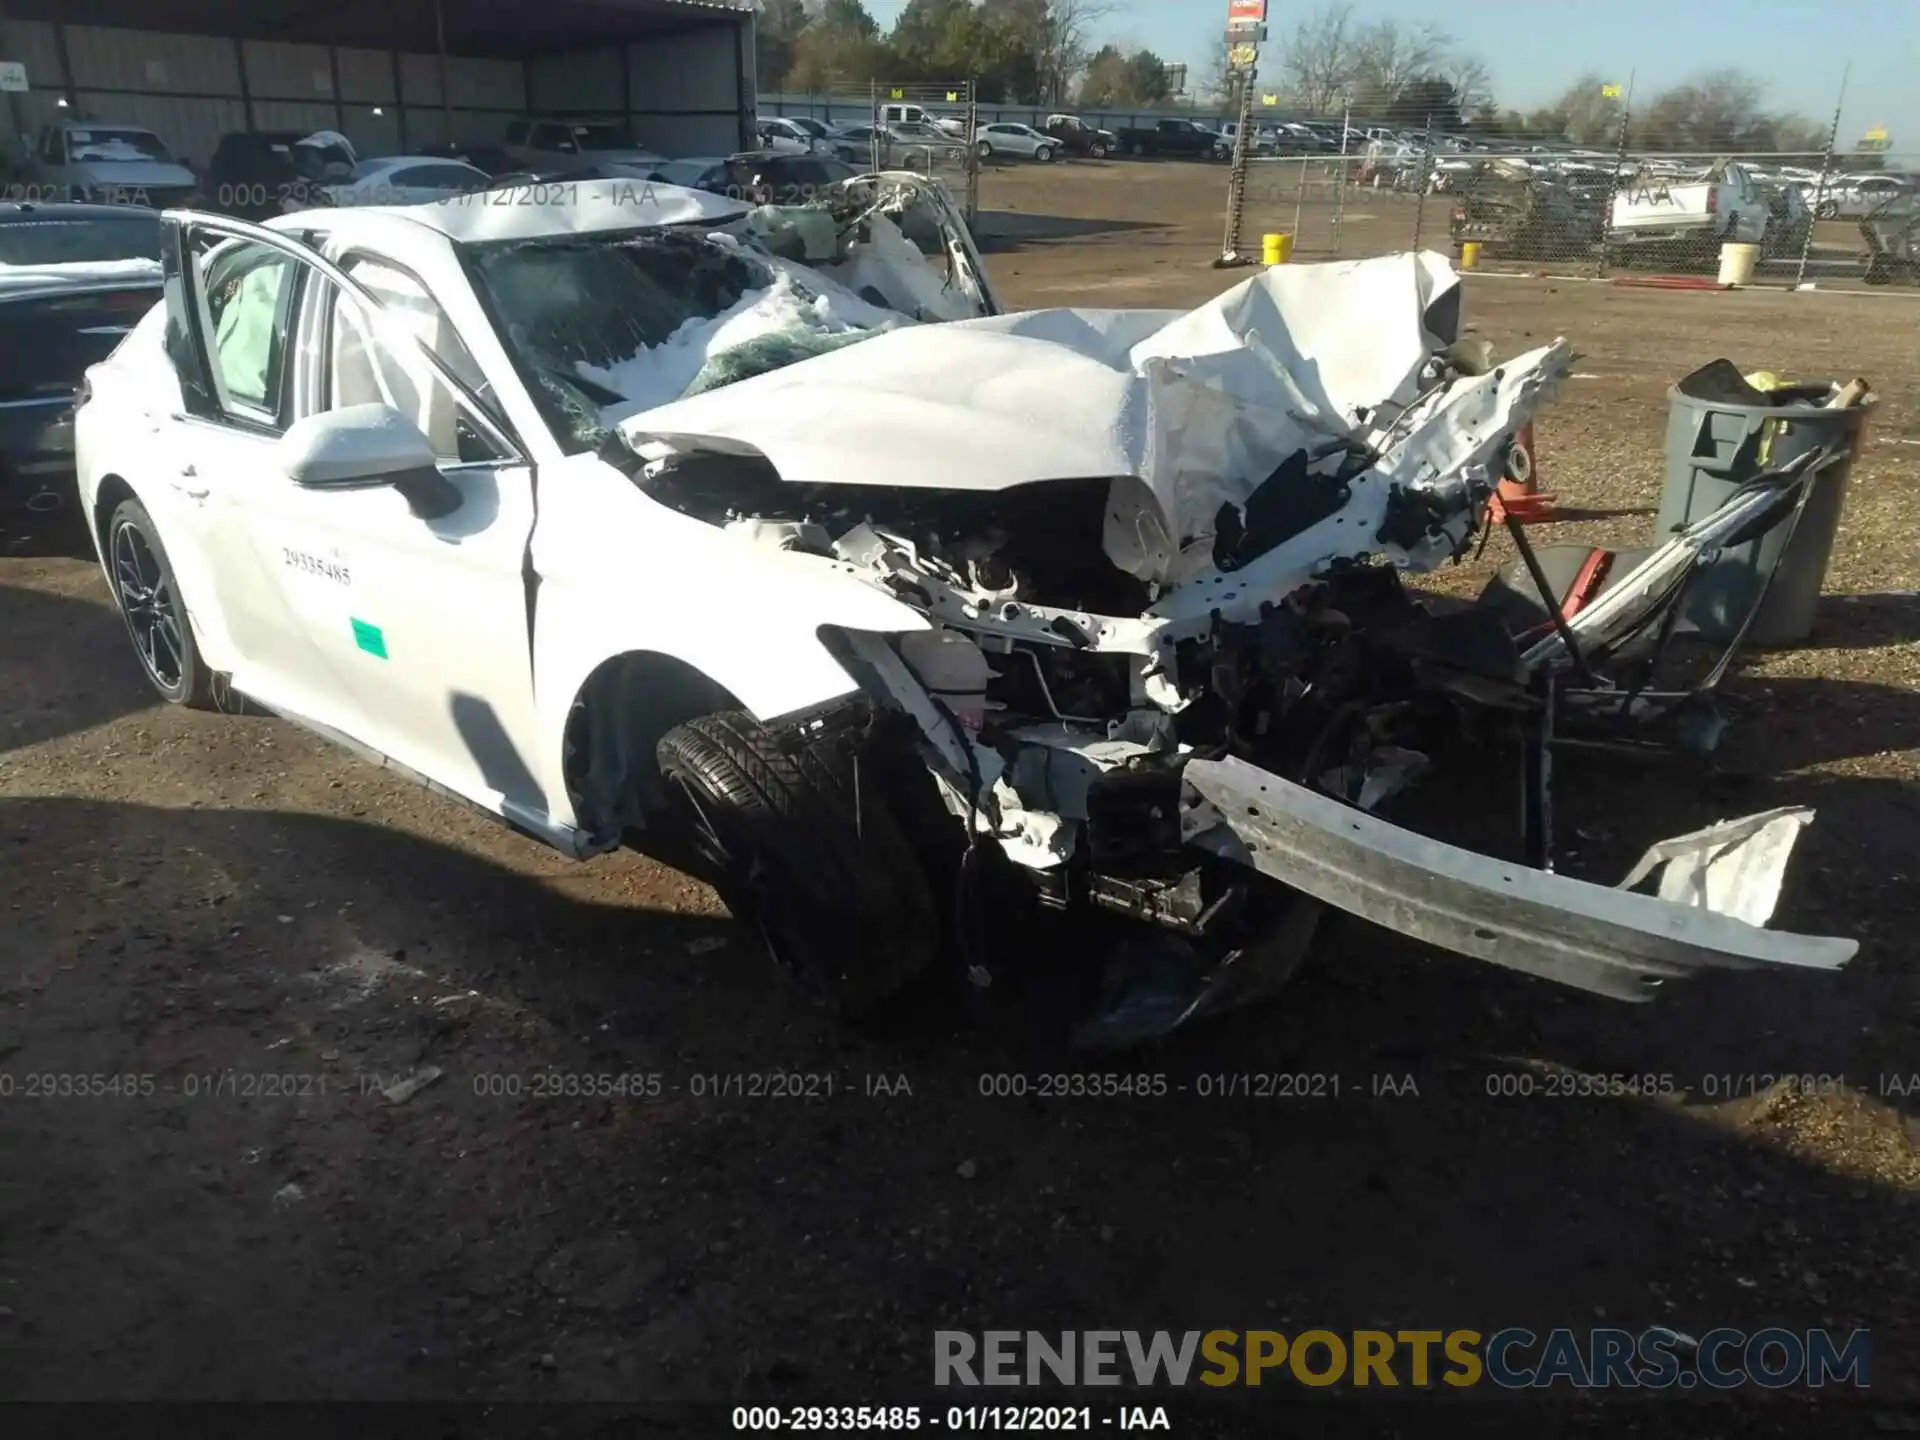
112,492
616,718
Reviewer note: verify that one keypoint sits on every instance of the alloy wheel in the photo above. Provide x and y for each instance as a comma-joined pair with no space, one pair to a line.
151,608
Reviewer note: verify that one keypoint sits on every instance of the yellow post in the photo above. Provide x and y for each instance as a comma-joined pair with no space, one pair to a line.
1276,249
1469,254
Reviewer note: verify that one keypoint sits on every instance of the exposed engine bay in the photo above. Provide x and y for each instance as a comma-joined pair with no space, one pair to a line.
1169,658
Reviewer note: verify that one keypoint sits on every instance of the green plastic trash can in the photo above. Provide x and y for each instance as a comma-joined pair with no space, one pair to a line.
1721,432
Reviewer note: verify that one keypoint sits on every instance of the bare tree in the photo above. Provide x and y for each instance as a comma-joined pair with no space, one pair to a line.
1471,80
1320,59
1388,56
1062,36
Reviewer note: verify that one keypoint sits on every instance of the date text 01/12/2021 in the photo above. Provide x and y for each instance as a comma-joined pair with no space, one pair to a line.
1084,1419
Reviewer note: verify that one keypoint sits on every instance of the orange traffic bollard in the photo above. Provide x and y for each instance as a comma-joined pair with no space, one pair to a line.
1519,493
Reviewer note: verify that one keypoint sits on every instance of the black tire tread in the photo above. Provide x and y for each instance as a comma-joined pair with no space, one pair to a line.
796,800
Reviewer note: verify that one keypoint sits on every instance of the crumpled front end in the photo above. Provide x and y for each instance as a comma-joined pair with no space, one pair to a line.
1171,670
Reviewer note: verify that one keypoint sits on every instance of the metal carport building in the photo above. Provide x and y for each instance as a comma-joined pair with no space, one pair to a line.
392,75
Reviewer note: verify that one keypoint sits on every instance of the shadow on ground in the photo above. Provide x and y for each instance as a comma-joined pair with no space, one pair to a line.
66,665
519,1228
996,231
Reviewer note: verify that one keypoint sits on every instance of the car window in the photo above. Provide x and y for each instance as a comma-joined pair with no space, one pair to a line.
116,143
69,242
359,365
249,289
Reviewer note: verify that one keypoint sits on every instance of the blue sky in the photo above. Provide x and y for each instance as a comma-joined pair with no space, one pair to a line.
1536,47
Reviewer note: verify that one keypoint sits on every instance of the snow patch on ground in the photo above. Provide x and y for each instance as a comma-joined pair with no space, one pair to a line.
816,308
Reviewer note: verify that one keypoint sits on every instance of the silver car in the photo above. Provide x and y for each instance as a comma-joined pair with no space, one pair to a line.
1008,138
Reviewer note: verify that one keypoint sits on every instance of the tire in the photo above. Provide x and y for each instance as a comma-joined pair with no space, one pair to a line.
148,598
983,150
1044,154
1138,149
837,896
1096,152
1829,210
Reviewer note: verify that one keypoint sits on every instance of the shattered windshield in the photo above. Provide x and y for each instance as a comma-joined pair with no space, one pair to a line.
604,326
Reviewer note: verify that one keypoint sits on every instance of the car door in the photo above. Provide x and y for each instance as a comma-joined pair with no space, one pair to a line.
231,293
437,648
406,635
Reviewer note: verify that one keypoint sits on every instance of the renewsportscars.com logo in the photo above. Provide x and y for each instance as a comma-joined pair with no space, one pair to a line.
1514,1359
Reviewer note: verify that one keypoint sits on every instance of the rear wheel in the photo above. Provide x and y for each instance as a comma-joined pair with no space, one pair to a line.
983,150
1138,148
149,599
820,870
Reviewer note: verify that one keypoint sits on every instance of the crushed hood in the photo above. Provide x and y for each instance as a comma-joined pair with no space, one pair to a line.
1203,405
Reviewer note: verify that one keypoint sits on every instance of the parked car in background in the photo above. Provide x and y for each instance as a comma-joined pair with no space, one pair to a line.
84,162
494,159
1854,197
1298,138
258,173
1695,212
759,177
1514,210
779,133
1171,137
74,279
408,180
542,144
1076,137
1261,141
913,144
1008,138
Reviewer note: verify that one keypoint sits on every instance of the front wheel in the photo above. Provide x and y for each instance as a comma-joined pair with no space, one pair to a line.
1044,154
1096,152
983,150
1829,210
149,600
1139,149
804,853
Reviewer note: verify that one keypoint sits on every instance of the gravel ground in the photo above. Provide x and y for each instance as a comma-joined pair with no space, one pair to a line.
215,901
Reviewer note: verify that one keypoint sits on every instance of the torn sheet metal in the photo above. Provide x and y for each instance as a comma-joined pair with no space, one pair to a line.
1734,868
1609,941
1194,414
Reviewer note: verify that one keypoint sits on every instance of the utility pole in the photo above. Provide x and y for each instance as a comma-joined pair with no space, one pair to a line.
1246,28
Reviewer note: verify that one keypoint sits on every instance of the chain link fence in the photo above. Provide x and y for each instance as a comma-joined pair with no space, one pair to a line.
1595,214
927,127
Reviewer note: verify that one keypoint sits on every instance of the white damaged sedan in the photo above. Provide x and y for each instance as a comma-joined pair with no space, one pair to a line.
634,511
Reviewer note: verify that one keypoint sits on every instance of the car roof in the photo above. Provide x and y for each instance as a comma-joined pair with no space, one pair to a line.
26,211
575,207
376,163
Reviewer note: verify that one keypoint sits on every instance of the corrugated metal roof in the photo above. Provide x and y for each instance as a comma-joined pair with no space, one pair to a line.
504,28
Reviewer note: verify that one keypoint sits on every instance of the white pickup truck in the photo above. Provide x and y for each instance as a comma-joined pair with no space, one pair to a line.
1693,211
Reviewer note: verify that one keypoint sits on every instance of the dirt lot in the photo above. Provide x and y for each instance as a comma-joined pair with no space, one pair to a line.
211,902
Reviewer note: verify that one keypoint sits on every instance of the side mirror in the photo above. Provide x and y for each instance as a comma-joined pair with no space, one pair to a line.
363,447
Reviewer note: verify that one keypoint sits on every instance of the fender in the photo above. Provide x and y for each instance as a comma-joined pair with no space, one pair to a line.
746,616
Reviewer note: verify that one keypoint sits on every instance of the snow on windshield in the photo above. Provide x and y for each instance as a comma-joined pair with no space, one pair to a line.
609,326
116,145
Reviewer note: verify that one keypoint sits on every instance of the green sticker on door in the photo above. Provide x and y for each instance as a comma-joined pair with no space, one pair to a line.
369,639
